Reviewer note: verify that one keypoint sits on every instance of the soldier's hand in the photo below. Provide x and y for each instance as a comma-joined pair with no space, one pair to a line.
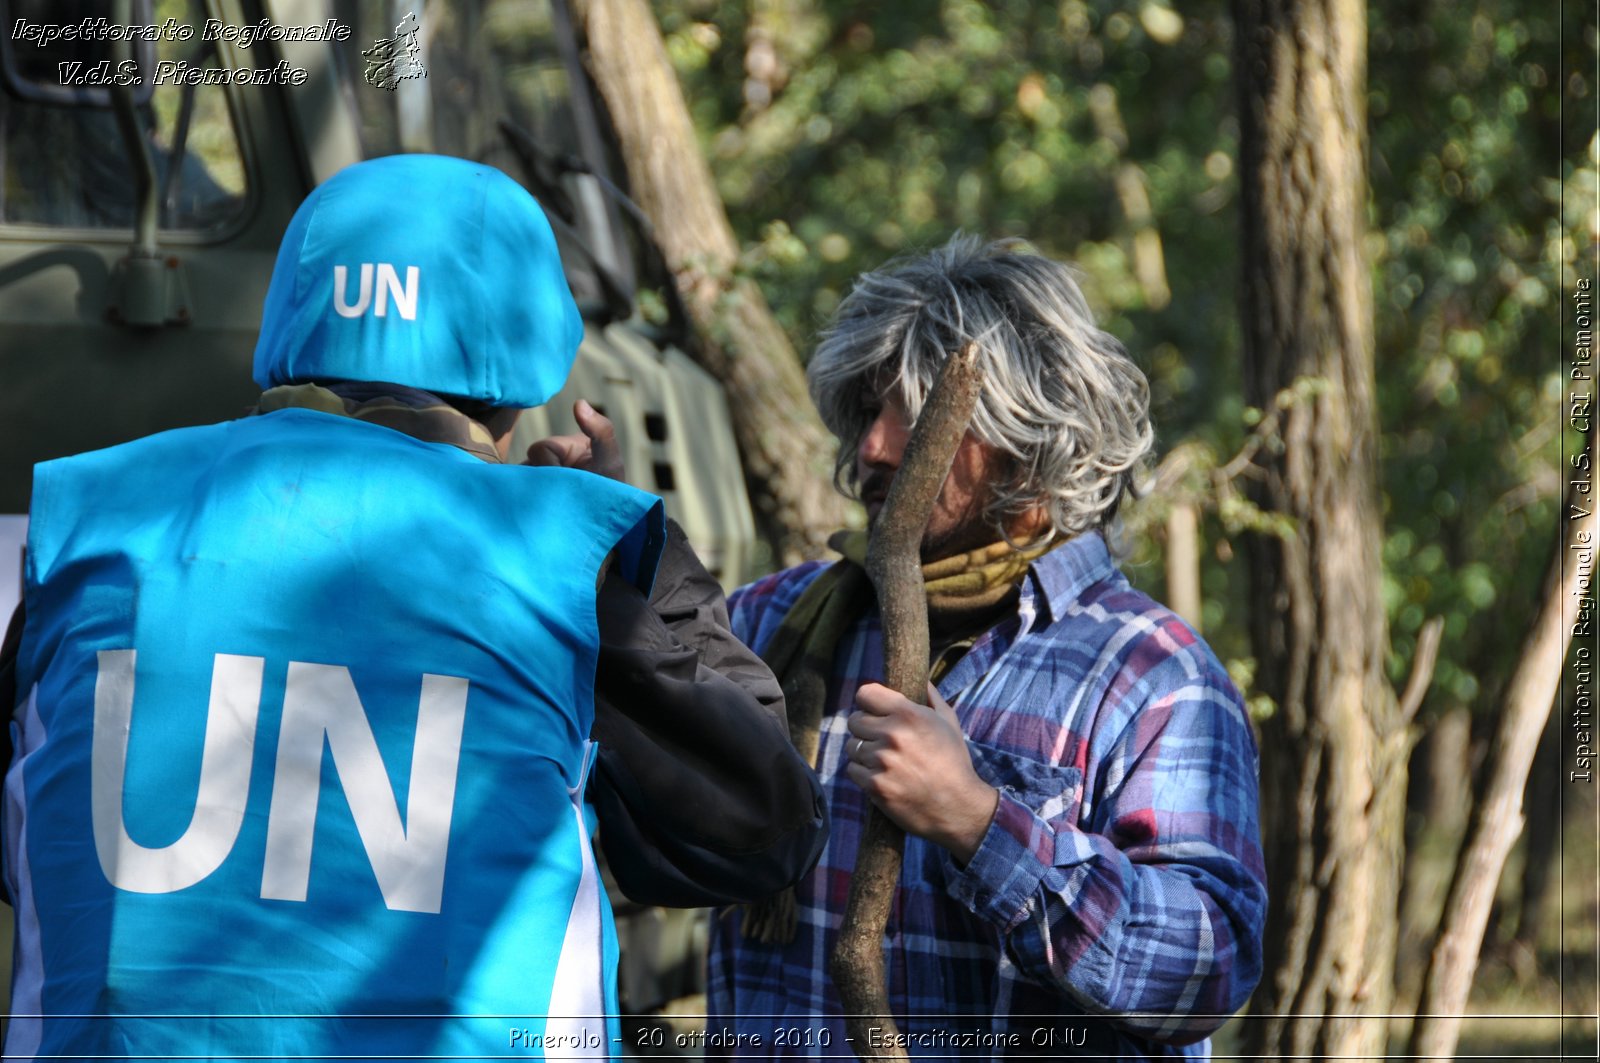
595,450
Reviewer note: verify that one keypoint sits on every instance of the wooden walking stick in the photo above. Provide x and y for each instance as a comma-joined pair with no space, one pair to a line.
894,564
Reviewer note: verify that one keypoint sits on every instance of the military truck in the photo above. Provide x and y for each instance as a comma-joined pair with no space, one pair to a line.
152,153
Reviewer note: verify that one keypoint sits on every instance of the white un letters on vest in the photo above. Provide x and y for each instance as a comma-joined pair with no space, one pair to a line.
320,704
405,299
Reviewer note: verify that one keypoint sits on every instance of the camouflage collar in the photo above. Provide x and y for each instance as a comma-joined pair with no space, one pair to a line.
419,414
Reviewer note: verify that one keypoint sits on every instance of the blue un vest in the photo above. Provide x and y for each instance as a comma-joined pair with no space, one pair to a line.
303,739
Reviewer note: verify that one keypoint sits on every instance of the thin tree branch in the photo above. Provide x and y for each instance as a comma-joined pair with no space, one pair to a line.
1422,665
894,563
1498,818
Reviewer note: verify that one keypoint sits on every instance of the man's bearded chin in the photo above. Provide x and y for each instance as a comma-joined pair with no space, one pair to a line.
970,534
974,531
874,488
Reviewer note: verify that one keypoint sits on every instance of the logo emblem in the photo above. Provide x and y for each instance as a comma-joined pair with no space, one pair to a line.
388,285
321,710
395,59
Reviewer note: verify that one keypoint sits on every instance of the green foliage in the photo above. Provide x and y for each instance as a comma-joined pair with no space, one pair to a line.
1242,670
1469,241
1105,133
886,135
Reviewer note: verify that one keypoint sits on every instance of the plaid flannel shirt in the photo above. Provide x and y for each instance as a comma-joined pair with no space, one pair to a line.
1115,906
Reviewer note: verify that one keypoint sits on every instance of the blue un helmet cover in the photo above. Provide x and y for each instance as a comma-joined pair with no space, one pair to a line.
432,272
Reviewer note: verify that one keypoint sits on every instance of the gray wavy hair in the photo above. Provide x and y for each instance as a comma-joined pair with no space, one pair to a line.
1061,398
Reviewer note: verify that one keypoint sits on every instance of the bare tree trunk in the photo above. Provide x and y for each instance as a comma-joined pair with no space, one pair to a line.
1183,561
1443,762
1544,844
1438,804
1334,753
787,453
1497,821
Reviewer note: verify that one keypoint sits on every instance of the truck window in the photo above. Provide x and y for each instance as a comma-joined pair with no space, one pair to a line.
62,157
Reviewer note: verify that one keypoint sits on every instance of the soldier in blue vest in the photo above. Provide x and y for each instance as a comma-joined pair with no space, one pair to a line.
304,701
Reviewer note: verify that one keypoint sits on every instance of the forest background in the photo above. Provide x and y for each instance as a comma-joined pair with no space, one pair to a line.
1112,134
1108,134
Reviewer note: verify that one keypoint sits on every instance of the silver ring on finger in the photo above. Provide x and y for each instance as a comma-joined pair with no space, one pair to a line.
859,743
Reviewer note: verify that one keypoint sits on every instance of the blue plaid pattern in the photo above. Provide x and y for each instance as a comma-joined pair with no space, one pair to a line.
1115,906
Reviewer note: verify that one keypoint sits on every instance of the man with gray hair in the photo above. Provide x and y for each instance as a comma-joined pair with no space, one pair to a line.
1083,870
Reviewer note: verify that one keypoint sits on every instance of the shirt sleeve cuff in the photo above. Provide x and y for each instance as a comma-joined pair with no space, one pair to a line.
1001,880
